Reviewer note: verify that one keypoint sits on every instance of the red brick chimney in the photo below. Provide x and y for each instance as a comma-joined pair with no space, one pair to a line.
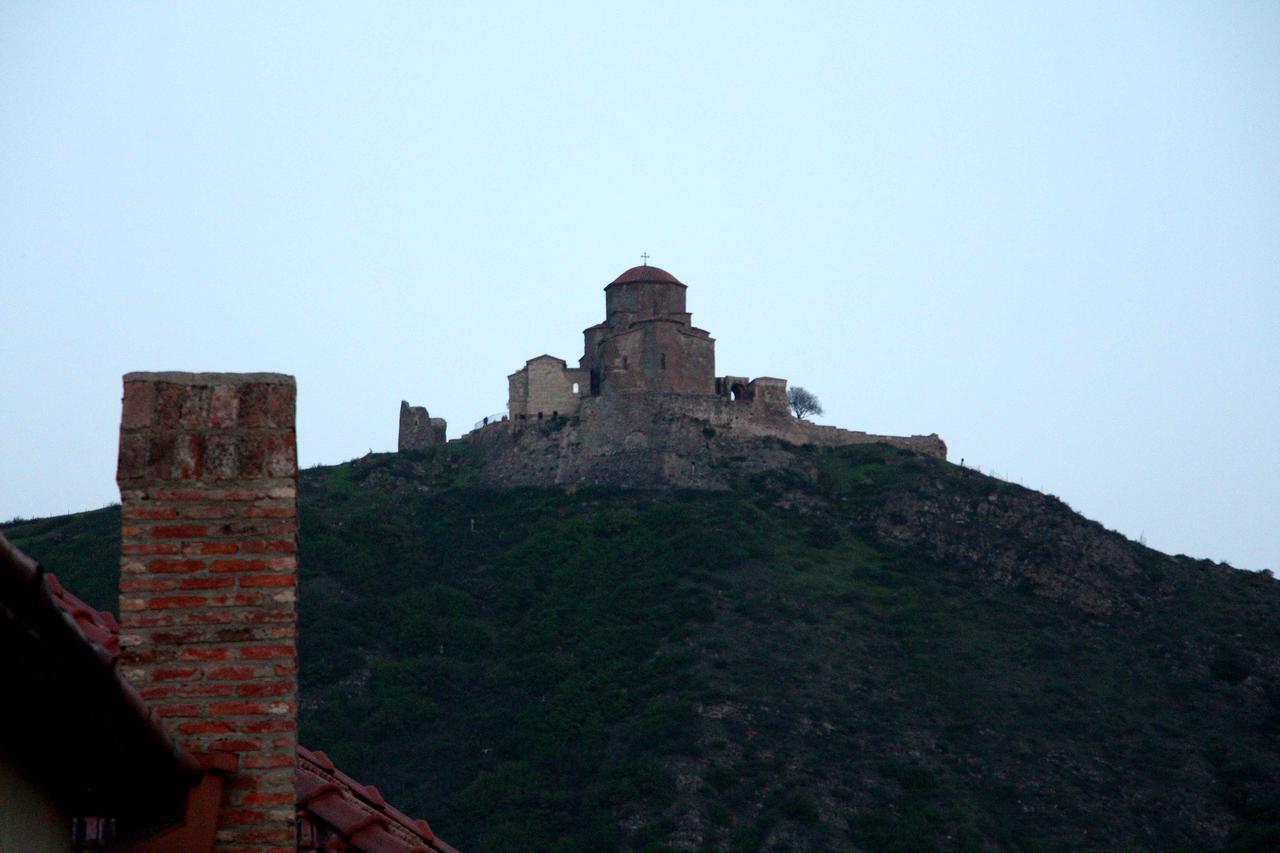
208,580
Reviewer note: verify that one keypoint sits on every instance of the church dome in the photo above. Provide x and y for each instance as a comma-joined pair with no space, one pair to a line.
646,274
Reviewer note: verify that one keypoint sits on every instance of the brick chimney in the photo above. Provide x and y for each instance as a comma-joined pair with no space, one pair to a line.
208,580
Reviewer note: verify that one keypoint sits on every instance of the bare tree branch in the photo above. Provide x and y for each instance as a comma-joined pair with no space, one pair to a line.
803,403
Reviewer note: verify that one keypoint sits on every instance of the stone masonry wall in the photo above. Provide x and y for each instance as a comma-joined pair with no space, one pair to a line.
548,389
208,580
418,429
662,440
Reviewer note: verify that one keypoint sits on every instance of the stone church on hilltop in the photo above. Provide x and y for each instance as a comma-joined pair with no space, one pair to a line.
640,408
646,345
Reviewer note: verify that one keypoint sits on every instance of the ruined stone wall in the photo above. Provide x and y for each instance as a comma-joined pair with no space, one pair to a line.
546,388
769,395
418,429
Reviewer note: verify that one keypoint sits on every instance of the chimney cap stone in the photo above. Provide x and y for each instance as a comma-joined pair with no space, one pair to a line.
179,377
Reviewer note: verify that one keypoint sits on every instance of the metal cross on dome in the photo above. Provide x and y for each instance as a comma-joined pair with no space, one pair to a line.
644,256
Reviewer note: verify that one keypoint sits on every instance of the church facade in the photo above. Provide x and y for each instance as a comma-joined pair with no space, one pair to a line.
647,345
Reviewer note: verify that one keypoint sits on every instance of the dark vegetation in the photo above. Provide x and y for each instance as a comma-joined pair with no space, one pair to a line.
817,659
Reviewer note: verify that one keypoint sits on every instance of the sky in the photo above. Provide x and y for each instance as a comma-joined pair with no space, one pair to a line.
1048,232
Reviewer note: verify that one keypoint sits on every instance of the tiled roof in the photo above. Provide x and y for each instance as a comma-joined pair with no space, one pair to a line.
96,626
344,810
77,713
647,274
356,813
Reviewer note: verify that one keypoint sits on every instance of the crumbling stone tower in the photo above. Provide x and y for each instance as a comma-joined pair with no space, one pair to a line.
418,430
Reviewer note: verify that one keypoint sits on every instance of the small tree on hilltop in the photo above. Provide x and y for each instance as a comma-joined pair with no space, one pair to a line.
803,403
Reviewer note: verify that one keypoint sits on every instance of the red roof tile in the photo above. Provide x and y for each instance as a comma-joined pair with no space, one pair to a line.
357,814
647,274
96,626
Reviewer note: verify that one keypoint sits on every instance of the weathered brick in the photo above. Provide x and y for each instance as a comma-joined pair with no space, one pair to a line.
179,531
173,673
224,403
270,512
239,565
176,638
195,406
137,584
149,512
265,652
269,546
236,745
265,726
251,454
137,405
268,580
281,404
205,653
262,761
221,458
236,673
208,548
148,548
159,456
266,688
205,617
175,601
134,458
177,494
206,727
238,709
206,583
188,456
282,454
182,566
145,620
205,689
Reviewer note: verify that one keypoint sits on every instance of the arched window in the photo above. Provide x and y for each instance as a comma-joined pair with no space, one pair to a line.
662,359
575,387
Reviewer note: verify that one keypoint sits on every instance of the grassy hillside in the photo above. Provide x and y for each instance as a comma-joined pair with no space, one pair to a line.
873,651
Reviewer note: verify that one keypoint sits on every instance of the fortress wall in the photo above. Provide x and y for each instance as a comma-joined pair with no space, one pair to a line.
760,417
653,440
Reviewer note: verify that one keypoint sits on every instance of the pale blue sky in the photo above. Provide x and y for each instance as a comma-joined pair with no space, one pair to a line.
1049,233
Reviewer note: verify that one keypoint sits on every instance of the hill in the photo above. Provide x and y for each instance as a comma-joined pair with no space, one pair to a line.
867,650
